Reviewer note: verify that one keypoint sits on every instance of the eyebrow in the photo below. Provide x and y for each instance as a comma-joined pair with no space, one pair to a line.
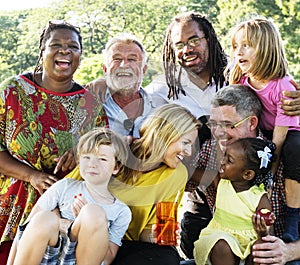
187,140
60,40
119,54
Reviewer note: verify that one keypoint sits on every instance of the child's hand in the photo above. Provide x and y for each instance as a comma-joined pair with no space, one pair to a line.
260,225
79,202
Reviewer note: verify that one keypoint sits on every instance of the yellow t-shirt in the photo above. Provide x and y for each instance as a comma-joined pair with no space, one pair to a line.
161,184
74,174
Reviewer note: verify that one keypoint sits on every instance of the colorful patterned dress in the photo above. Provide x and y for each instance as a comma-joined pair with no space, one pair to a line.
36,126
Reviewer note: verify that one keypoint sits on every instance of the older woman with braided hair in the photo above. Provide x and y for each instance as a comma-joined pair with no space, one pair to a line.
42,114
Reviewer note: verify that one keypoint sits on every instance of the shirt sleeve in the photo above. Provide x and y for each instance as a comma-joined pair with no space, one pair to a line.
118,227
50,199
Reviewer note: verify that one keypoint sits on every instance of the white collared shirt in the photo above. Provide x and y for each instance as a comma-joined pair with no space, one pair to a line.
196,100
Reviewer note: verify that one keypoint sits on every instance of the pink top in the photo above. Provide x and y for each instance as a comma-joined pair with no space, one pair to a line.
270,97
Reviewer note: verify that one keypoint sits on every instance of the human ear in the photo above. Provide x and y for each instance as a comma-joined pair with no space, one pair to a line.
104,68
117,169
248,174
253,123
145,69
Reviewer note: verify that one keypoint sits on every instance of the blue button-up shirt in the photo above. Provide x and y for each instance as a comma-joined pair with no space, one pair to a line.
116,116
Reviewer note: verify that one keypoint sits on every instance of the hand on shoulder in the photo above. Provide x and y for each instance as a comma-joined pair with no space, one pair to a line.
97,88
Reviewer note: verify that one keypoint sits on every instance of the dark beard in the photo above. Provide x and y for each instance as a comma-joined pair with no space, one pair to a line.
194,70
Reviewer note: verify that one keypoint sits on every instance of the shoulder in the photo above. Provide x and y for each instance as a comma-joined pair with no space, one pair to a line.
152,99
158,86
67,183
119,209
122,206
12,81
159,81
285,83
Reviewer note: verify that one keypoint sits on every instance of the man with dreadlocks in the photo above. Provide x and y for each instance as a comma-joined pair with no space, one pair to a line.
192,42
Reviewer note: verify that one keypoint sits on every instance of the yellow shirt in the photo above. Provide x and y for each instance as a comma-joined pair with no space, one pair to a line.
161,184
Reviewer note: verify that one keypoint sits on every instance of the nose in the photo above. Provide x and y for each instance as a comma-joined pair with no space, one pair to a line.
65,49
239,50
186,48
218,133
92,163
123,63
223,161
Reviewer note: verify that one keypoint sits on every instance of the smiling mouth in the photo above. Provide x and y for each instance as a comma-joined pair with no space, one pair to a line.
122,74
63,63
189,58
180,157
92,173
221,170
223,142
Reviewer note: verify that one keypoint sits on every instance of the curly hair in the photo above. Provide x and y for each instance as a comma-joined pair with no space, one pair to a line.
217,57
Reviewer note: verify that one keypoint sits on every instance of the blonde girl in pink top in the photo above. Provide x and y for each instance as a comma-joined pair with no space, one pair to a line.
258,59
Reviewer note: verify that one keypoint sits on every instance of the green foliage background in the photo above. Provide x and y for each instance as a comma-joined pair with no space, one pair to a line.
102,19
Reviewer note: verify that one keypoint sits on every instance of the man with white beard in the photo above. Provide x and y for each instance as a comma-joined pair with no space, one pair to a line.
125,102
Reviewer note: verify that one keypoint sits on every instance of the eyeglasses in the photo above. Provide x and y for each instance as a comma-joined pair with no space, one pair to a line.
226,125
194,42
63,22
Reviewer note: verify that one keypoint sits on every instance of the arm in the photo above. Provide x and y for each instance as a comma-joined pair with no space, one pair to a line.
111,253
259,223
279,135
291,107
274,251
203,176
11,167
97,88
13,251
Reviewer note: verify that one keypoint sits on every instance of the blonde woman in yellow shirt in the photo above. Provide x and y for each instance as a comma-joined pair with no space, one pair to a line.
154,173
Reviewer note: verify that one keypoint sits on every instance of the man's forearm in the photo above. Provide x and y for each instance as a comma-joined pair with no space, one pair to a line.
293,251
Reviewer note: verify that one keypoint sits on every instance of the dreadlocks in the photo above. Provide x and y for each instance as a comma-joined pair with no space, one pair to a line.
217,57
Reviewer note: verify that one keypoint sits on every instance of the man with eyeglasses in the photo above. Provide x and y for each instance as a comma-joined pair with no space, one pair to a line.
193,62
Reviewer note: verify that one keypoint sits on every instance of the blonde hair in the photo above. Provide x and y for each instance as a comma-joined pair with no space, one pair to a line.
163,127
90,142
270,60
